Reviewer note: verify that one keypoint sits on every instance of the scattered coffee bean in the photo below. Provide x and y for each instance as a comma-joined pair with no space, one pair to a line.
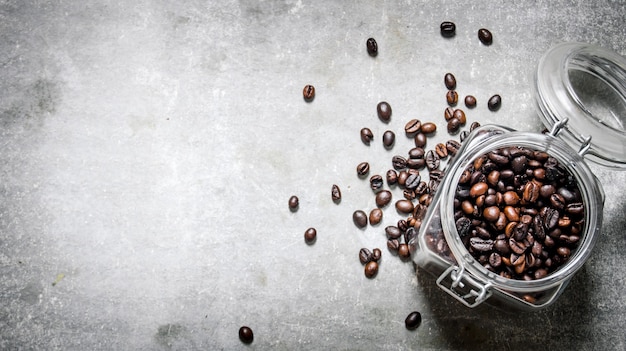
372,47
452,97
474,125
429,127
246,335
376,254
453,147
371,269
335,193
413,320
392,177
449,81
464,134
460,115
365,255
393,245
403,251
494,103
470,101
412,181
485,37
420,139
416,153
448,29
404,206
383,198
376,182
308,92
454,125
310,235
366,136
389,138
376,216
359,218
413,126
393,232
432,160
448,113
362,169
398,162
384,111
294,202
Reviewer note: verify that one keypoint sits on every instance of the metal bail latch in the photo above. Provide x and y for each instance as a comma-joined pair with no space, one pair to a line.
463,287
586,144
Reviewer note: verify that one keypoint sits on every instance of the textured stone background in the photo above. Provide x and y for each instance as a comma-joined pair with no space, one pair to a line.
148,149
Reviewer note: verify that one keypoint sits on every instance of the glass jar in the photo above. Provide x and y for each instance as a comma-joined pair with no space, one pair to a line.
580,93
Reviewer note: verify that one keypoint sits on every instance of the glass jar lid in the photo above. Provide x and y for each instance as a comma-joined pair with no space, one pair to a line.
580,92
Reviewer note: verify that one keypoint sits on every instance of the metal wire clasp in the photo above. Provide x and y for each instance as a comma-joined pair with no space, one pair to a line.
586,144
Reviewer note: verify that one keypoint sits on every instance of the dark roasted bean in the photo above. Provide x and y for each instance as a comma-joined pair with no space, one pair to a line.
485,37
412,181
470,101
393,245
359,218
448,113
293,203
413,320
376,254
481,245
362,169
335,193
447,28
389,138
441,150
366,135
460,115
453,125
428,127
416,152
494,102
398,162
392,177
393,232
404,206
474,125
463,226
420,139
371,269
246,335
432,160
384,111
383,198
365,255
372,47
464,134
310,235
376,182
403,251
453,147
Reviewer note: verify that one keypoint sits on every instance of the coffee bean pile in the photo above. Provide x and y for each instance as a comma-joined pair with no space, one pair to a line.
519,212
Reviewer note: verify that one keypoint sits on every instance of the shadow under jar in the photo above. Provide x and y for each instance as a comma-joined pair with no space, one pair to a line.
580,92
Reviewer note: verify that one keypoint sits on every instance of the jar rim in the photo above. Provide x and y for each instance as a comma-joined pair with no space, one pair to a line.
590,191
560,74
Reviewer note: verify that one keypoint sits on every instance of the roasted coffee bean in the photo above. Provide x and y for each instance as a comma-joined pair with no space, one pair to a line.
393,245
432,160
383,198
491,213
308,92
413,320
470,101
495,260
449,81
398,162
463,226
366,136
310,235
429,127
494,102
460,115
454,125
417,152
403,225
335,193
404,206
420,139
409,234
448,29
481,245
453,147
359,218
294,202
448,113
576,208
362,169
376,182
441,150
550,218
436,175
372,47
422,188
371,269
415,163
485,37
403,251
412,181
384,111
246,335
389,138
376,254
478,189
365,255
474,125
402,176
392,177
376,216
452,97
557,201
413,126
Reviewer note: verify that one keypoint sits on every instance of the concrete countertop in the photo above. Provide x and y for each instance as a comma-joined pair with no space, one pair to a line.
149,149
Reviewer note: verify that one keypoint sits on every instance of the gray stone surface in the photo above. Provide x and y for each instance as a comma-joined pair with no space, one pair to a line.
148,149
